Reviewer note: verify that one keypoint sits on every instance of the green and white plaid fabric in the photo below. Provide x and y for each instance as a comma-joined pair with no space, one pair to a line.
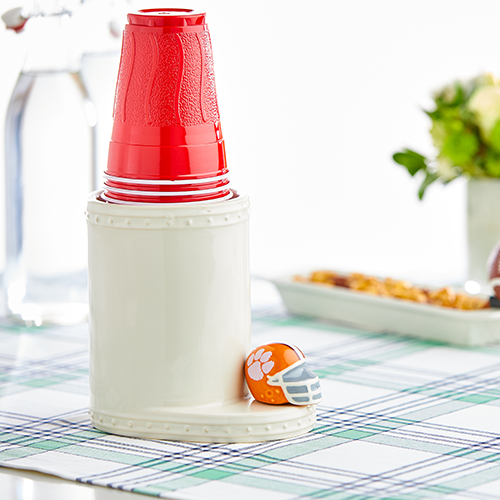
401,419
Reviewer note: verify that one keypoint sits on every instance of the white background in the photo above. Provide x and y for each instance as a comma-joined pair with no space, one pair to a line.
314,99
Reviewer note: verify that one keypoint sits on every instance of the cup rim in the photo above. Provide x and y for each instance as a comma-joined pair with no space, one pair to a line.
138,192
166,182
232,194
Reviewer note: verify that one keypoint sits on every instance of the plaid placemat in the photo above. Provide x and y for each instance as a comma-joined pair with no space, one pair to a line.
401,419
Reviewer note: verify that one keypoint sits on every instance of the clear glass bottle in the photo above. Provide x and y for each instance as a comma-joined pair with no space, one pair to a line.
102,24
50,156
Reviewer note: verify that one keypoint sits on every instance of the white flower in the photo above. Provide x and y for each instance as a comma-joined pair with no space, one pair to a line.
445,169
447,93
485,104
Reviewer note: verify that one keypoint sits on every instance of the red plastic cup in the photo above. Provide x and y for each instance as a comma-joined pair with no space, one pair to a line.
166,131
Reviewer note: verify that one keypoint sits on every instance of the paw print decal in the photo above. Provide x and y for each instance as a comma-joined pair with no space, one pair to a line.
259,364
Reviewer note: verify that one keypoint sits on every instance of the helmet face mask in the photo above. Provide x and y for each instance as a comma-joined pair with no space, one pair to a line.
277,374
299,384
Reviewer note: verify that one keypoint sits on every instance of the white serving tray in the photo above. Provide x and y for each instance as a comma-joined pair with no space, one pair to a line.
465,328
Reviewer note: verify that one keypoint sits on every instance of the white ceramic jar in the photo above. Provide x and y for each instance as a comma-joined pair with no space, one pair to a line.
483,225
170,324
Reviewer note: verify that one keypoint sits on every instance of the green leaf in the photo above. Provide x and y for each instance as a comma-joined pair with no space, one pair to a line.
438,133
450,96
494,139
459,95
429,179
411,160
434,115
460,147
414,154
493,164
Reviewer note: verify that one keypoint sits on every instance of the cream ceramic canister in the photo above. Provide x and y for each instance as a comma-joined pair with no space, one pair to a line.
170,325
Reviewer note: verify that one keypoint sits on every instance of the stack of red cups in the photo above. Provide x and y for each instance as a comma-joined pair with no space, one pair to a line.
166,145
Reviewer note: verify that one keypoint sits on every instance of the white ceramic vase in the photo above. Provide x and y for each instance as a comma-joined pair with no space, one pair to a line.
483,224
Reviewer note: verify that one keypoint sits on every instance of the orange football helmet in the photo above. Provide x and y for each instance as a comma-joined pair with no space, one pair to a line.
277,374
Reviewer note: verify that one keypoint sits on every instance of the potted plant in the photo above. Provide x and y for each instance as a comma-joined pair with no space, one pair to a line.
465,130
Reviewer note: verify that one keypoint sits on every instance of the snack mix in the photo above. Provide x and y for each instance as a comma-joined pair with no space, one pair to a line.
444,297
